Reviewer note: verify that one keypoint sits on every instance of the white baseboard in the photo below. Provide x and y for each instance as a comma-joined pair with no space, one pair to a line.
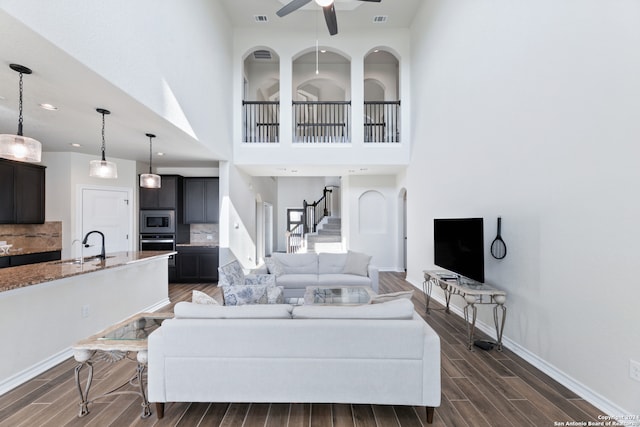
605,405
48,363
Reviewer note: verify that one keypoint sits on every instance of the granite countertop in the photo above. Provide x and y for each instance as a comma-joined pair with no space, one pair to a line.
198,245
33,274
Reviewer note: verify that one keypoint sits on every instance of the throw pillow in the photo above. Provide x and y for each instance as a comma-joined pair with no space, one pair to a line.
231,274
391,296
241,295
274,266
198,297
357,263
275,295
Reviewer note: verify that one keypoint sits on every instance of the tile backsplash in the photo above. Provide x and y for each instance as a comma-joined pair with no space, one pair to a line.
204,233
30,238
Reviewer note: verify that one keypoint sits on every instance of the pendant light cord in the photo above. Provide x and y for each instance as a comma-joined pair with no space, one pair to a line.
150,152
103,143
20,109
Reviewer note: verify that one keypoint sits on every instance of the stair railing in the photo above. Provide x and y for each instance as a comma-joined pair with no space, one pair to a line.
312,214
295,239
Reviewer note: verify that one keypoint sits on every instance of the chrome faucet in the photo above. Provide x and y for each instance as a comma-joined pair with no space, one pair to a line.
86,237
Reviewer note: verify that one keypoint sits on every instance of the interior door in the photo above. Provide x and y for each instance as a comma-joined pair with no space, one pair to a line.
108,211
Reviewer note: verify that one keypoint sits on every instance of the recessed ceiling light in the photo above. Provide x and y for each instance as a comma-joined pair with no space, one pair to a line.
48,107
323,50
160,153
376,50
75,144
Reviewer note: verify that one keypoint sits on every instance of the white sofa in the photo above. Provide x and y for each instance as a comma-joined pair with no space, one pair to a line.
382,354
294,272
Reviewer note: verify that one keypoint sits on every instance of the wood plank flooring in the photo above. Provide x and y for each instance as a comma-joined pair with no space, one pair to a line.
478,389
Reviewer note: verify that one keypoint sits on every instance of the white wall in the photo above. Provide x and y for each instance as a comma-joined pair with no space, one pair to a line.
370,220
169,57
528,110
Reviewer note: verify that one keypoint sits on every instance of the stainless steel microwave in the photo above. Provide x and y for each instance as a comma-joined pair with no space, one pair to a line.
157,221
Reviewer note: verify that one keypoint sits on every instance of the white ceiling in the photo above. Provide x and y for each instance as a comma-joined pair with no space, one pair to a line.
77,91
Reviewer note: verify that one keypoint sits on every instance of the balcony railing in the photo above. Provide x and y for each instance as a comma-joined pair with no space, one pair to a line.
261,121
381,121
322,121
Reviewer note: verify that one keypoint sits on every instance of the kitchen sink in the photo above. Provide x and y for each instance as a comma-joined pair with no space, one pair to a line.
78,261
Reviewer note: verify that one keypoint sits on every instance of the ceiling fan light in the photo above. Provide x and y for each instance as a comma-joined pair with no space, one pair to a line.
103,169
324,3
20,148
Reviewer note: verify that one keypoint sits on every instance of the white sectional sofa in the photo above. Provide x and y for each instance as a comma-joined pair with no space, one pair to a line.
294,272
371,354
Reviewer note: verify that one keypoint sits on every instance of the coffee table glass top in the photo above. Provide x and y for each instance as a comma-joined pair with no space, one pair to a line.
351,295
137,329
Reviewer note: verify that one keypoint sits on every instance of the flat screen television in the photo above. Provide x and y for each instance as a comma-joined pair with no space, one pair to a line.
458,246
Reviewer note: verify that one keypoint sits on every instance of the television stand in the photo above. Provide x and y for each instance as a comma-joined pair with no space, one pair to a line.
473,294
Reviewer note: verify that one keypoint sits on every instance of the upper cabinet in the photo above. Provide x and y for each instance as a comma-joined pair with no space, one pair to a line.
22,190
201,200
165,197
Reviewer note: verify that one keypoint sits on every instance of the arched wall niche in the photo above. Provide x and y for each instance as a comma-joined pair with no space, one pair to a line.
372,213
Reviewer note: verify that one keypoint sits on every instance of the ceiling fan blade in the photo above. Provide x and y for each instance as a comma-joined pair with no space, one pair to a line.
291,7
332,20
373,1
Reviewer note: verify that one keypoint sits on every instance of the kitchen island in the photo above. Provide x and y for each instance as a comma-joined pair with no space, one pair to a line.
46,307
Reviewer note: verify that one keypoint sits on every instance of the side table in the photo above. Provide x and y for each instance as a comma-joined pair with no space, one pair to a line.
473,294
114,344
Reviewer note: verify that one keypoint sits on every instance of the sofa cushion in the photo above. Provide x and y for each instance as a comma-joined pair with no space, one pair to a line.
198,297
340,279
357,263
274,266
241,295
398,309
188,310
331,263
231,274
298,263
275,295
297,281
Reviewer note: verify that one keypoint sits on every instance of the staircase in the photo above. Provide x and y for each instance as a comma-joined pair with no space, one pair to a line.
327,238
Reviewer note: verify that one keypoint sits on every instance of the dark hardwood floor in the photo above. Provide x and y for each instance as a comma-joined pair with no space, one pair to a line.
478,389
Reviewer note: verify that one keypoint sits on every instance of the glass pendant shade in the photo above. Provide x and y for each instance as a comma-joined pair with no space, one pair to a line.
18,147
102,168
150,180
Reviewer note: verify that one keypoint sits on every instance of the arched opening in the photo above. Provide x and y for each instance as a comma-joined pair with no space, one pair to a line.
261,96
381,97
321,84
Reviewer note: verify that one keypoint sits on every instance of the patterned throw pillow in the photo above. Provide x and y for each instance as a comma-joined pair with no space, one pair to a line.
275,295
231,274
241,295
198,297
274,266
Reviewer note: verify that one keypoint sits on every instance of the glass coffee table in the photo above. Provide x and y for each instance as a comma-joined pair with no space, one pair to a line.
112,345
336,295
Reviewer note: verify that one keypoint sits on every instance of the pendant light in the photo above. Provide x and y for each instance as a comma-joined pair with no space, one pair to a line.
19,147
103,168
150,180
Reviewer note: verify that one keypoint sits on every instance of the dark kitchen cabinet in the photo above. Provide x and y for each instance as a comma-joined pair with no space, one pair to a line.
24,259
165,197
197,264
22,193
201,200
